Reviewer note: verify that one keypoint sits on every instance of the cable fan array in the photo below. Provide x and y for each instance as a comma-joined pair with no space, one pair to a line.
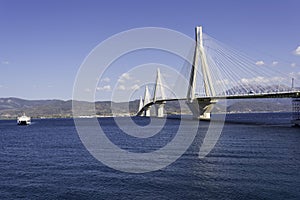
234,73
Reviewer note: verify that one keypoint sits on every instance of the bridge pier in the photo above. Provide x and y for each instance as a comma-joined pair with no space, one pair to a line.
141,105
147,112
160,109
147,100
296,112
202,108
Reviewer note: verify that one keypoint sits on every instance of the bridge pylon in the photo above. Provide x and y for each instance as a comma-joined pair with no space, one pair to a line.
201,108
141,105
159,90
147,101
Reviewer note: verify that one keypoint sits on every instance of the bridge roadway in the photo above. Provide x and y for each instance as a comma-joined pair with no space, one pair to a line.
292,94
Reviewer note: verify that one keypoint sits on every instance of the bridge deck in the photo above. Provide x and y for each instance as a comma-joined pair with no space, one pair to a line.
259,95
294,94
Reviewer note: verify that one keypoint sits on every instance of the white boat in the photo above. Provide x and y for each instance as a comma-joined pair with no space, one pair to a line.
24,120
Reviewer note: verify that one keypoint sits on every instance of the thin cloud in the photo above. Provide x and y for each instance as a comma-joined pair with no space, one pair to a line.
274,63
223,82
262,80
260,63
258,79
293,64
5,62
295,75
106,80
297,51
87,90
128,88
106,88
135,87
124,77
121,87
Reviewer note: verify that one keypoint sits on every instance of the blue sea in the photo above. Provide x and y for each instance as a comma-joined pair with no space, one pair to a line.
256,157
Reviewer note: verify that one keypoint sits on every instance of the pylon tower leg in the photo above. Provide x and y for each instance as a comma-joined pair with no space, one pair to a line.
160,110
201,109
147,112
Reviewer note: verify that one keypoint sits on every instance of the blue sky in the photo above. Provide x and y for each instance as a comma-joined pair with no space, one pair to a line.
43,43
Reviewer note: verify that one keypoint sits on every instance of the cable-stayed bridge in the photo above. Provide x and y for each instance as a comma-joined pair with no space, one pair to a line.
219,73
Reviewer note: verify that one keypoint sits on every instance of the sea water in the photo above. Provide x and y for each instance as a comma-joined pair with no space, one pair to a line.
256,157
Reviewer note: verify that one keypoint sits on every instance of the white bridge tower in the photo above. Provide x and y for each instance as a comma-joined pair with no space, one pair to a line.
158,99
147,101
159,90
200,108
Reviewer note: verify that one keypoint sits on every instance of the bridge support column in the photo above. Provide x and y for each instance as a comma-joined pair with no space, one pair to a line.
147,112
202,108
146,101
160,109
296,111
159,95
141,105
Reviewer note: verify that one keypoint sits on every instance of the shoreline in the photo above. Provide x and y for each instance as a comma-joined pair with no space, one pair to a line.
127,115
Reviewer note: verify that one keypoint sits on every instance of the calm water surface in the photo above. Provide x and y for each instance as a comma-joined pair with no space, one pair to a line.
256,159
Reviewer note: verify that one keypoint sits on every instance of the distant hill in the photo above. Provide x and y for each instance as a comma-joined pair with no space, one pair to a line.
260,105
13,107
10,108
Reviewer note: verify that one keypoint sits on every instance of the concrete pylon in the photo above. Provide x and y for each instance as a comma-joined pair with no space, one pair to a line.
200,54
208,84
147,101
159,90
141,105
158,87
201,109
160,109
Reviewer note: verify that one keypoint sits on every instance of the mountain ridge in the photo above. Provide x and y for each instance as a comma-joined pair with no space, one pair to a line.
12,107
